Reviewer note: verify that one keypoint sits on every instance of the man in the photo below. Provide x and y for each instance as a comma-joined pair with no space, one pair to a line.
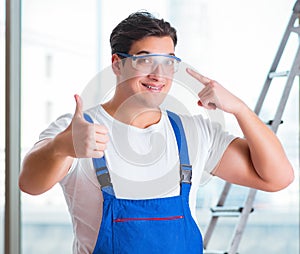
136,194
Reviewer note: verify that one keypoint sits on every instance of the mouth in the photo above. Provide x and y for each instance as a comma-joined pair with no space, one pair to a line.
153,88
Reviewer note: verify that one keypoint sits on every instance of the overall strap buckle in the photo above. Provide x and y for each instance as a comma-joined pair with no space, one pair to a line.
103,176
104,179
185,173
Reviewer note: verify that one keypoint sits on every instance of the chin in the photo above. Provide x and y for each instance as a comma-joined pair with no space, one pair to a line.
153,100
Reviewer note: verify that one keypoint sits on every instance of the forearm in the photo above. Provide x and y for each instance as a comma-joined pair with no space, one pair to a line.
266,152
46,164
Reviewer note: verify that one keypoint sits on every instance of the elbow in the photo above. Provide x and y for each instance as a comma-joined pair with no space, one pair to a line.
27,187
289,179
23,183
284,181
24,187
29,191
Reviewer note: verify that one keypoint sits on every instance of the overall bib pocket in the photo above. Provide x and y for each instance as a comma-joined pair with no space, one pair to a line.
154,235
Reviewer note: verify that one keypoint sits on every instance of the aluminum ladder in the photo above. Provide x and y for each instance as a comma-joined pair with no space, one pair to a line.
243,212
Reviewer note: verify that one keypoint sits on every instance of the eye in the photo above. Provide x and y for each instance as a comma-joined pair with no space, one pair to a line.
144,61
170,62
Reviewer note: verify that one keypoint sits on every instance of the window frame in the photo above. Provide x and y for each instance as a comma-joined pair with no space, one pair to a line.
12,237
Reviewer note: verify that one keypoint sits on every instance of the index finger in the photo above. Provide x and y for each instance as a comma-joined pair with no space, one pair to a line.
204,80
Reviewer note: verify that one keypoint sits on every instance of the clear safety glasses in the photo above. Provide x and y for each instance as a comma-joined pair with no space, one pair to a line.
149,62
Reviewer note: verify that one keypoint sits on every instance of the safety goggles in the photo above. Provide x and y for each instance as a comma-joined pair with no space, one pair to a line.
149,62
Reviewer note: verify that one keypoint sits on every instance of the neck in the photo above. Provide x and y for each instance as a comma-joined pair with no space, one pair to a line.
135,115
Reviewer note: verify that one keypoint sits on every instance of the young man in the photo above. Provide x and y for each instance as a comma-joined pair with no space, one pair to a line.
136,195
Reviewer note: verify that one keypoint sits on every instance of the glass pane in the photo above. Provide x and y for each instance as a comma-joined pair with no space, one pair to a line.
2,121
58,58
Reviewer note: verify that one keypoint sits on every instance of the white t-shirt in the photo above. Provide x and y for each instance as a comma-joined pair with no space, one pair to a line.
143,163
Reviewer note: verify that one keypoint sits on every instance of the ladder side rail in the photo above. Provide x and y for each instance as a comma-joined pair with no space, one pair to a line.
209,231
240,228
275,63
284,41
262,96
295,70
224,194
296,8
214,219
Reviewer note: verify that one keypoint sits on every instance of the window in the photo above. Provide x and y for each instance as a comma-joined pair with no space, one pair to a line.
58,59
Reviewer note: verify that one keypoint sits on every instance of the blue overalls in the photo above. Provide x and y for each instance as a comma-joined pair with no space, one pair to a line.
160,225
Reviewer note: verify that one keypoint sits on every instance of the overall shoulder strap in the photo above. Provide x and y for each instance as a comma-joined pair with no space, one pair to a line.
101,169
185,167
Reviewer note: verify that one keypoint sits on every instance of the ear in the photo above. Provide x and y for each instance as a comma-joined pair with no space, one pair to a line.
116,64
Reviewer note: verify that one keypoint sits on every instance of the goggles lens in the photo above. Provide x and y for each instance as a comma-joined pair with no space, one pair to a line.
149,62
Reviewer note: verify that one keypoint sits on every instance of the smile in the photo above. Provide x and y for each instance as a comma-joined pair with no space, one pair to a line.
154,88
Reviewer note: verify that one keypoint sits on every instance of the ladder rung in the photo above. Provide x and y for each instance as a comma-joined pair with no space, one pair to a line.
278,74
226,209
221,211
226,214
215,252
296,29
270,122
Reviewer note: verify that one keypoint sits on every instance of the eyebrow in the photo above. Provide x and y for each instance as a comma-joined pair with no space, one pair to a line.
147,52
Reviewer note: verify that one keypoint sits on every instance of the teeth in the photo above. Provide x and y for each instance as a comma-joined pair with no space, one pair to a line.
152,87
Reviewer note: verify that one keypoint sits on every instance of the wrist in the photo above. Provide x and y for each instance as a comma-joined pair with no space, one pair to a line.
241,110
62,144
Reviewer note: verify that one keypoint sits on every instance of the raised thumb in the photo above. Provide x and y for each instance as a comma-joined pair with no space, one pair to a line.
78,110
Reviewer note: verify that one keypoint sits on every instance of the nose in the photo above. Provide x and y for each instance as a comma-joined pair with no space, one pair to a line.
158,68
158,71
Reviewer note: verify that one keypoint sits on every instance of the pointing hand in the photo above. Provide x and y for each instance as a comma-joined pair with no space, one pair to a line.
213,95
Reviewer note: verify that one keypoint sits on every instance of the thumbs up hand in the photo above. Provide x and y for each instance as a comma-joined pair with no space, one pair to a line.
89,139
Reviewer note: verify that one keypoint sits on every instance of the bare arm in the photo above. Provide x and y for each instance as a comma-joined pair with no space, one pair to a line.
258,160
49,160
43,167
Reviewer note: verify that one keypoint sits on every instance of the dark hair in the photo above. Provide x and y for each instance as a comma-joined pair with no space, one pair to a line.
136,27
